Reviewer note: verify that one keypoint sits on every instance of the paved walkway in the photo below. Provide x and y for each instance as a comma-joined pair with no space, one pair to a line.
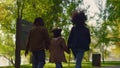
109,67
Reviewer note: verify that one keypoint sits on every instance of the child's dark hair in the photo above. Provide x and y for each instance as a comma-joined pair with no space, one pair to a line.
38,22
79,18
57,32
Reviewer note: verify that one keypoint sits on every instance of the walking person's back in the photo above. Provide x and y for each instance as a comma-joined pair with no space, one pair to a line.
38,41
38,38
79,38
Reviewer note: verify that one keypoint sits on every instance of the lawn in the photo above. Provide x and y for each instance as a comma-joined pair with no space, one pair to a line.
65,65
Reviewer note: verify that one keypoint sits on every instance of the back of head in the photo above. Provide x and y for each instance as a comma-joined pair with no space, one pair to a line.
79,18
38,22
56,32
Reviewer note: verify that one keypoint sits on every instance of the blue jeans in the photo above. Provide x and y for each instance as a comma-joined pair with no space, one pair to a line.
38,59
78,53
58,65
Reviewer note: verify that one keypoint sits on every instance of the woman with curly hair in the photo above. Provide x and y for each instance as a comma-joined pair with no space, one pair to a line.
79,38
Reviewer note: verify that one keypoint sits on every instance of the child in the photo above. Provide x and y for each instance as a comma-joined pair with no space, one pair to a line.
57,48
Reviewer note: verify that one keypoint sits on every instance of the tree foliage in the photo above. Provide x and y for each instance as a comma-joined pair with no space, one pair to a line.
106,30
114,18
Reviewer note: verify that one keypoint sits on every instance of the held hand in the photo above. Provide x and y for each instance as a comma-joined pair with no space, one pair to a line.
26,52
69,51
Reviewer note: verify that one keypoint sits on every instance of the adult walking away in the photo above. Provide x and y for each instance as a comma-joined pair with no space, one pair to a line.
57,48
38,41
79,38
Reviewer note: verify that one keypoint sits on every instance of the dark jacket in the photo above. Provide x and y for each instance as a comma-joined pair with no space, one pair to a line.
38,39
79,38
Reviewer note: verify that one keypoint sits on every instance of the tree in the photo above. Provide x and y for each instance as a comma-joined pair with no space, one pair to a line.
7,30
107,29
7,47
114,18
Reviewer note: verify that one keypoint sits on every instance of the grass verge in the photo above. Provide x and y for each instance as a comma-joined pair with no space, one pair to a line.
65,65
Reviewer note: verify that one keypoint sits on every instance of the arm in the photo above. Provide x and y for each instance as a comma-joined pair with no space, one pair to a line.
47,39
70,38
89,38
65,48
27,46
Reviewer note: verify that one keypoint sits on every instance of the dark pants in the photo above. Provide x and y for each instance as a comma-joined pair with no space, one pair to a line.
58,65
38,59
78,53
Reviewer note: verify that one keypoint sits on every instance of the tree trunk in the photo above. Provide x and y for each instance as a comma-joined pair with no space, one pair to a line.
17,50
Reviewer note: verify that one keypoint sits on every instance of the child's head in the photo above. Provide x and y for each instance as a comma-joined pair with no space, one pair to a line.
56,32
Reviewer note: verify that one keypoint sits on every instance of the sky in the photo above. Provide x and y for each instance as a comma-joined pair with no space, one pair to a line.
93,8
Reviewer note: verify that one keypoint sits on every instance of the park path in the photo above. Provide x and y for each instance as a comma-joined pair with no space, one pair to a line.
109,67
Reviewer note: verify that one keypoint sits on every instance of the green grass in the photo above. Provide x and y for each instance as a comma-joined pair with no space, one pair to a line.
111,63
65,65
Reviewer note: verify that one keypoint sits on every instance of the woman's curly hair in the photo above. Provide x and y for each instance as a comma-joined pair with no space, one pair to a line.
79,18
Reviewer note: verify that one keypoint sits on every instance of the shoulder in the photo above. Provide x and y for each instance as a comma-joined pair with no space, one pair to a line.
33,29
42,27
62,39
87,29
73,29
59,39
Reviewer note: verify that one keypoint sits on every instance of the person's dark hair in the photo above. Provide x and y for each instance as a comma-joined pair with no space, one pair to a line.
38,22
57,32
79,18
